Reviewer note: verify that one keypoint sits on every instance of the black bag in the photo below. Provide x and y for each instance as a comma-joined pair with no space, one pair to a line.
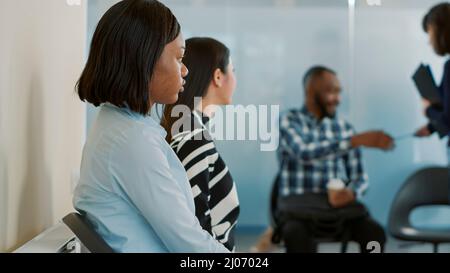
315,210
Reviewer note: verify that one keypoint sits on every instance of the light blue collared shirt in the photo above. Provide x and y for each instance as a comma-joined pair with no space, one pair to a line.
134,189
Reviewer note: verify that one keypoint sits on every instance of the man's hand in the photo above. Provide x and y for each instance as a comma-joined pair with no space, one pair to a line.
373,139
342,198
423,132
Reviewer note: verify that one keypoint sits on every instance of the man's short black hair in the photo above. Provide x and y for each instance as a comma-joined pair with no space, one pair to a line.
314,72
127,43
439,18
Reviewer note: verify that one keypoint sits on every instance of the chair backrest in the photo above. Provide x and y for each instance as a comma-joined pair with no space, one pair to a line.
429,186
84,231
274,200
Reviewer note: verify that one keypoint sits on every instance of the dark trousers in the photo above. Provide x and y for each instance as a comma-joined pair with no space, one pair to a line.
299,238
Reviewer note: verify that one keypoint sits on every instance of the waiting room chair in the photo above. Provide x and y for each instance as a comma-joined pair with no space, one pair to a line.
83,230
426,187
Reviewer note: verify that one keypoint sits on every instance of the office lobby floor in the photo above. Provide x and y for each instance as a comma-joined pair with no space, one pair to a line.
244,242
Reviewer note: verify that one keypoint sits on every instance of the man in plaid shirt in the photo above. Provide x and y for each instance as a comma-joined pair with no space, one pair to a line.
314,151
316,147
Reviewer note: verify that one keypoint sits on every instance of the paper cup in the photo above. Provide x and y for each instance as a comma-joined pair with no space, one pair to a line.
335,185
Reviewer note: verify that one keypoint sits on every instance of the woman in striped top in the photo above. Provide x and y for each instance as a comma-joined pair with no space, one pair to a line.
211,81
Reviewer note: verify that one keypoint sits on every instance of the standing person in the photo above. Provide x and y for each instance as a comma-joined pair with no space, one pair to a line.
211,82
133,189
437,24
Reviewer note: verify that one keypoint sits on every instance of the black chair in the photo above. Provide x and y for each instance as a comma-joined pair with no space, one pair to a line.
429,186
83,230
274,218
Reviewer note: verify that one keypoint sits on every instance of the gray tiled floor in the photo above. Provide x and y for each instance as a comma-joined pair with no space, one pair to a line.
245,241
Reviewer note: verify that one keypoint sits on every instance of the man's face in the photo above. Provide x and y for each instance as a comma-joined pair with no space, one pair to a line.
327,93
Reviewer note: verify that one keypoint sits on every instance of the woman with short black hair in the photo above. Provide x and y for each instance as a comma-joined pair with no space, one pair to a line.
437,24
133,188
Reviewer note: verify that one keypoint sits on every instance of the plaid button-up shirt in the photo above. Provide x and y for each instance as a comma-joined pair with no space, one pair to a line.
312,152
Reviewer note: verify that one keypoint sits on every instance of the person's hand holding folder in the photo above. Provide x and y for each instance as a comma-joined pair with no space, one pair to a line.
428,90
431,98
426,104
423,132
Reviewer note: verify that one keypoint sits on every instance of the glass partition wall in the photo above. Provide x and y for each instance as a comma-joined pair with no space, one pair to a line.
373,45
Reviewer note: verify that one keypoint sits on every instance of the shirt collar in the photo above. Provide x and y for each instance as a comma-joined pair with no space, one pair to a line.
202,118
137,116
304,110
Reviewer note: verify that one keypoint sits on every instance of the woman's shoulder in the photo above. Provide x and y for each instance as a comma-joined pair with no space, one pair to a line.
191,129
127,124
134,138
196,140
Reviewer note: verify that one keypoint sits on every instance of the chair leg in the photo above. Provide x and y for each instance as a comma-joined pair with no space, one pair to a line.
435,247
344,245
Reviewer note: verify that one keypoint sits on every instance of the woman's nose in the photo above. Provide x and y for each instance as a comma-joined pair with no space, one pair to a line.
185,71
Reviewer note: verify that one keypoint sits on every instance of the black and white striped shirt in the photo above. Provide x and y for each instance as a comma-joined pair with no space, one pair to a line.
213,188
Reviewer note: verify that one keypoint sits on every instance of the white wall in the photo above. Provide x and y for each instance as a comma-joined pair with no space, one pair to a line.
41,120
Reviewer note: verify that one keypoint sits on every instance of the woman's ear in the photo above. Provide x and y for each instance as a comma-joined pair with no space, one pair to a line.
218,78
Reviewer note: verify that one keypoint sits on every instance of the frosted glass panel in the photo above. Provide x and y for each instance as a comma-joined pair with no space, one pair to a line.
389,45
271,48
274,42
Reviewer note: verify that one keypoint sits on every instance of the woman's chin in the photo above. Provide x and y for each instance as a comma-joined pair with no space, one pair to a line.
175,99
172,99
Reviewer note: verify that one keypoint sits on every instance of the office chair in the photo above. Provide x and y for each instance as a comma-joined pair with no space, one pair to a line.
429,186
83,230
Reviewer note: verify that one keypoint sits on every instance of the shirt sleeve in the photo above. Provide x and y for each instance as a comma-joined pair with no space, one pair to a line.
296,142
440,115
438,121
445,88
354,168
148,181
431,128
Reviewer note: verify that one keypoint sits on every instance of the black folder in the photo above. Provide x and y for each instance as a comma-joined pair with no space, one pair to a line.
423,78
